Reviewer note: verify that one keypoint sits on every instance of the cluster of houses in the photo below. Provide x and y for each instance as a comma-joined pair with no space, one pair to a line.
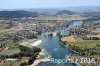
93,37
20,35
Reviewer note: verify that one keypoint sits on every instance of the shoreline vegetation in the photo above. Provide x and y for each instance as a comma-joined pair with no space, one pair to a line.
19,29
82,48
26,56
42,57
14,52
24,46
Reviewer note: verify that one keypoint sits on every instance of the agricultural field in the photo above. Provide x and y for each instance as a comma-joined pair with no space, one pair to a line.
25,59
7,31
9,43
66,37
87,43
7,63
10,51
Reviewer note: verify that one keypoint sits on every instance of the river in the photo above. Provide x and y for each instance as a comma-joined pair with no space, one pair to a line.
52,46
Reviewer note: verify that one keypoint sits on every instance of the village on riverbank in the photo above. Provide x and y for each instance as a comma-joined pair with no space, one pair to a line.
19,42
84,41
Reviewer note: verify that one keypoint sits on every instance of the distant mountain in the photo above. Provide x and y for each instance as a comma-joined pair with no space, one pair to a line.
64,12
42,11
76,9
17,14
81,9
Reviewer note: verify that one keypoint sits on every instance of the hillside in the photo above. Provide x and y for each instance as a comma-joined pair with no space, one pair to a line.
17,14
64,12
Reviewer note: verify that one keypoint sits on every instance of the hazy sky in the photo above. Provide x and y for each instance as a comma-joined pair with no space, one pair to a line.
21,4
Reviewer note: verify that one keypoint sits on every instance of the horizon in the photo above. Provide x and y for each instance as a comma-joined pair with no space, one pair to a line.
44,4
63,8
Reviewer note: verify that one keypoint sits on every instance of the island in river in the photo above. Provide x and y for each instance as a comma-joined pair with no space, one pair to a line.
54,48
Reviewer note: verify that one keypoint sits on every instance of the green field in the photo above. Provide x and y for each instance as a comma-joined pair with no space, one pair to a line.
87,43
9,43
68,37
7,63
2,33
12,47
10,51
8,31
25,59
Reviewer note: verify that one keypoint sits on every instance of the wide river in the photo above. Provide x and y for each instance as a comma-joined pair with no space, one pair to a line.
52,46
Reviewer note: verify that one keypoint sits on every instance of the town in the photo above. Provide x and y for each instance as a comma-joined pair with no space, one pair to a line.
32,37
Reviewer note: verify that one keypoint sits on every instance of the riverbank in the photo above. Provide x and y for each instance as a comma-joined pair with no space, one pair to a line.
72,58
51,44
42,57
81,48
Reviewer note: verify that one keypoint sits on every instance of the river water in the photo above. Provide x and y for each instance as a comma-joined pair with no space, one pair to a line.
52,46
